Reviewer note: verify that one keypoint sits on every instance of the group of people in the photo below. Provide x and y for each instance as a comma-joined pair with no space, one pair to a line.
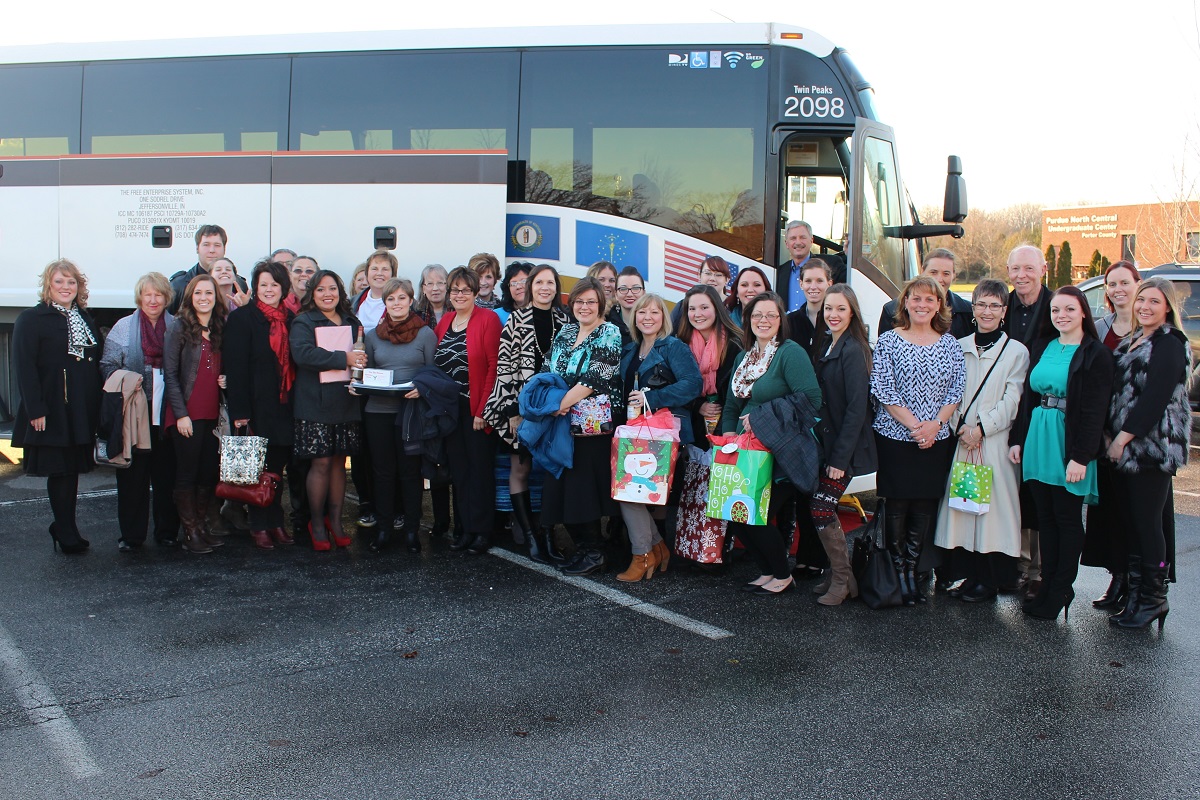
494,369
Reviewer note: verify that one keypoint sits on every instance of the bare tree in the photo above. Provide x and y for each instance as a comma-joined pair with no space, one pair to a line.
1163,228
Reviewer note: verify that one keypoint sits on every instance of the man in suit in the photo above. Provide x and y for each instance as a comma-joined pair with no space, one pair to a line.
941,265
1028,314
798,238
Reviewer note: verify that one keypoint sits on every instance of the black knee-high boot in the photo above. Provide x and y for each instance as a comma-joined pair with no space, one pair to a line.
897,535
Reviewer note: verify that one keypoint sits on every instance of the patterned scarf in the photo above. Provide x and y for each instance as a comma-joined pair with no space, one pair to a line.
399,331
753,366
708,356
79,335
153,334
279,345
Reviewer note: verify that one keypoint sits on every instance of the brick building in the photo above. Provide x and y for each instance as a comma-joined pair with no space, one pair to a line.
1148,234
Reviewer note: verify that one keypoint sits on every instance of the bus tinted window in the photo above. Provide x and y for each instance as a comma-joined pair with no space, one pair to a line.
202,106
643,134
40,110
881,193
419,101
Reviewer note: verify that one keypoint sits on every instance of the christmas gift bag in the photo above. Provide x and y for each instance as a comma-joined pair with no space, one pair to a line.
698,536
643,458
739,485
971,485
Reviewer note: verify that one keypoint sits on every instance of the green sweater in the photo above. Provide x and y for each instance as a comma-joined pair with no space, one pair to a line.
790,371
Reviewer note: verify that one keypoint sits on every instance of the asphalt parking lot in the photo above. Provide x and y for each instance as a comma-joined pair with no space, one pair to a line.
294,674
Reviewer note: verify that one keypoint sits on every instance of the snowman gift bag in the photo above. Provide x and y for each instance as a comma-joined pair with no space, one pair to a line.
643,459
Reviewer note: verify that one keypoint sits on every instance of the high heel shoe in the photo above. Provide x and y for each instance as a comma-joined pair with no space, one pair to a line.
1050,605
68,549
1151,600
320,545
664,554
340,541
642,567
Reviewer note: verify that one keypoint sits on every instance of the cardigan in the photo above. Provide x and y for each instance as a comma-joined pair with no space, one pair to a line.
123,350
1089,387
483,347
790,371
181,364
313,401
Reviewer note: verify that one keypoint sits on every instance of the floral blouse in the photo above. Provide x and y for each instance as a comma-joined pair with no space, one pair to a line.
920,378
595,362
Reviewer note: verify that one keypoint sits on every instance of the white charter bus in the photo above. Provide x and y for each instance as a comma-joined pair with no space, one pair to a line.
645,145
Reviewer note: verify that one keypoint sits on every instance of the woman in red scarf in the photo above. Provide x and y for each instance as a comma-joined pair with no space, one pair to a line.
706,327
260,374
135,343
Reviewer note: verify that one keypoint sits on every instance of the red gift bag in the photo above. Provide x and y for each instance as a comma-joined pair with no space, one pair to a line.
698,536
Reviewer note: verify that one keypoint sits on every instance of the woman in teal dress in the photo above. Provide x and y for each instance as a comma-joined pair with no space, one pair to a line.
1057,438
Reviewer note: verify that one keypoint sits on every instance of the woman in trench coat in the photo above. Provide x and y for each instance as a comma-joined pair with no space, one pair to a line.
984,547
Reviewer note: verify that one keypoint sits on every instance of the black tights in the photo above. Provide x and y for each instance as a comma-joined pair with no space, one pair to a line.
1145,494
63,491
1060,525
326,486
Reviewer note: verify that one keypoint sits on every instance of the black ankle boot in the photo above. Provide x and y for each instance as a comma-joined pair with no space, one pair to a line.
480,544
1134,587
462,540
1116,593
1152,599
412,539
382,539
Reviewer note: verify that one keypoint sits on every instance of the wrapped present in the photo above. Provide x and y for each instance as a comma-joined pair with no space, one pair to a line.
970,487
698,536
739,484
643,459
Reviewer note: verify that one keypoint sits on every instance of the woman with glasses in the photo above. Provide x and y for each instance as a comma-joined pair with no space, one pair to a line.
983,549
714,272
468,343
587,355
432,304
514,289
771,366
525,345
1057,439
917,375
630,289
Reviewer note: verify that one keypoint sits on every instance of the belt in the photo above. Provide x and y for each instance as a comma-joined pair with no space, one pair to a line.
1050,401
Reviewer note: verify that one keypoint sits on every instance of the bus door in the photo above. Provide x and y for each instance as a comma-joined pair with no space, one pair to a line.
814,187
879,258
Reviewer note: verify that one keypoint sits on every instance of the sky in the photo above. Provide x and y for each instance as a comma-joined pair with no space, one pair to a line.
1048,102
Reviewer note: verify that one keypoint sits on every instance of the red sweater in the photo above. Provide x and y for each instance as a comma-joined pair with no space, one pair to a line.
483,348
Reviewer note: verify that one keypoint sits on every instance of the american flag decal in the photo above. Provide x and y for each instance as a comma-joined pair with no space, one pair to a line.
681,266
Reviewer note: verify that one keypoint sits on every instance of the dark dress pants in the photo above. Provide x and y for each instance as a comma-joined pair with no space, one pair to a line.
152,469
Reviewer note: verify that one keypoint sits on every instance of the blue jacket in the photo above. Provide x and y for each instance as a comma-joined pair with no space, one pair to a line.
670,377
545,434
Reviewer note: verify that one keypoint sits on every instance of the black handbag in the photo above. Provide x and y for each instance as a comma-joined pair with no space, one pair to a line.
878,582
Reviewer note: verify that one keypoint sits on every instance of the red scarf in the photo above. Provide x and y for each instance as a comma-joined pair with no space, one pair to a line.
708,356
277,316
401,332
153,334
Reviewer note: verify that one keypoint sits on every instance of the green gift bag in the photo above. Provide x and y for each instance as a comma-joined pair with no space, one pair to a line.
739,484
971,486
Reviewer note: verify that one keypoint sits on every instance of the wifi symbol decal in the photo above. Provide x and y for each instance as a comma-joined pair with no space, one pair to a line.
733,57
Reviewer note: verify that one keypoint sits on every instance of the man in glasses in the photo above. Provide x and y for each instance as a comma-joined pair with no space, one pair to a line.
941,265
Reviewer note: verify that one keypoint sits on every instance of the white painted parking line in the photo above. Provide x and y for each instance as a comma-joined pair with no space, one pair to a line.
43,710
618,597
1189,494
44,499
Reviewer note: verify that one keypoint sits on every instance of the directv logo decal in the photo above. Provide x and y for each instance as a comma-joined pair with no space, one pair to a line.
674,60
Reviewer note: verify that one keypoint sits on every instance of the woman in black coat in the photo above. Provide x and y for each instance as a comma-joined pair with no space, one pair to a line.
256,354
844,373
56,355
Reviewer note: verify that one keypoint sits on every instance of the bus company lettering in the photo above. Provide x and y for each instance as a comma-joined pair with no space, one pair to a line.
796,89
148,206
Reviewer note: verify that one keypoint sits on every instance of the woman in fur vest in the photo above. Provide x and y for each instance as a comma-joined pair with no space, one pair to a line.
1149,423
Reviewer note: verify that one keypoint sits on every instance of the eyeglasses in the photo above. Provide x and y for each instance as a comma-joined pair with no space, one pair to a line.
518,284
759,316
441,285
630,289
586,303
989,306
461,291
708,273
304,272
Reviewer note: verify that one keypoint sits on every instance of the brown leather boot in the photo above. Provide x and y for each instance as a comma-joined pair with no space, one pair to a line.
204,505
662,553
823,585
642,566
842,583
193,541
262,540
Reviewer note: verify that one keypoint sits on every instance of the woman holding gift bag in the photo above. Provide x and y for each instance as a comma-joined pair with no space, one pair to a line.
772,366
258,362
848,445
586,354
328,425
987,545
665,375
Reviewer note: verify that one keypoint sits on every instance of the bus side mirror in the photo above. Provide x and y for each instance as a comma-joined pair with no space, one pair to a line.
161,237
385,238
954,209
